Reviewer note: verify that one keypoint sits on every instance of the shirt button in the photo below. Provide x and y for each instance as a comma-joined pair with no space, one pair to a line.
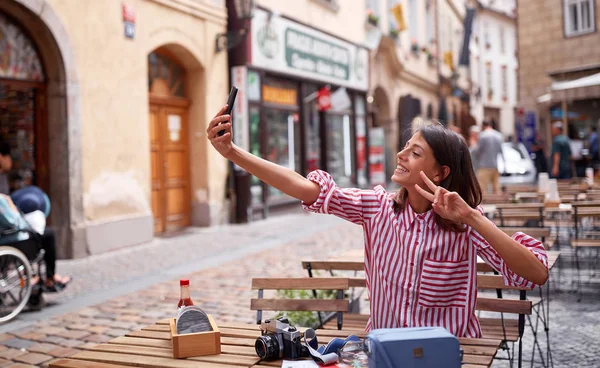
405,324
412,264
407,304
409,284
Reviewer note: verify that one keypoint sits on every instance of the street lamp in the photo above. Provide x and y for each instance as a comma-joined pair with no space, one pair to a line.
229,40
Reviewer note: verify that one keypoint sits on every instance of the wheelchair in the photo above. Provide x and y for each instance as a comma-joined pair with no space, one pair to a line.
21,260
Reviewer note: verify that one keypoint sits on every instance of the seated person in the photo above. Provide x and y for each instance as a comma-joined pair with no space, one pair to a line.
28,200
5,166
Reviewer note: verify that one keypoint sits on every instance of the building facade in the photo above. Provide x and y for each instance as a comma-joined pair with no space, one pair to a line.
494,65
404,71
105,105
559,68
302,76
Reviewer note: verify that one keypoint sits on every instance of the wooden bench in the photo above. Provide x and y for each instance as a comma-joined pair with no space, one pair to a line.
339,305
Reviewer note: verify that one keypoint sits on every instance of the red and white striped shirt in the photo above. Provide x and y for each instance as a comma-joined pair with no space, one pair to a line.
417,274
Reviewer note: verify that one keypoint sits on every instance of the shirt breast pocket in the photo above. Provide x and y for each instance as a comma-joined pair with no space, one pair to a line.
444,284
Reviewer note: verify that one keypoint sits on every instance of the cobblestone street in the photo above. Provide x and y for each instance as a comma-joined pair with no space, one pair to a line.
124,290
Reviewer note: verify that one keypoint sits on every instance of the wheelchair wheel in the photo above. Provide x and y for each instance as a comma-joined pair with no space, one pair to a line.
15,282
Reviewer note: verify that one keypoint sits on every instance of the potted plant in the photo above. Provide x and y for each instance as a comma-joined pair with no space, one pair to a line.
394,33
414,47
431,56
372,18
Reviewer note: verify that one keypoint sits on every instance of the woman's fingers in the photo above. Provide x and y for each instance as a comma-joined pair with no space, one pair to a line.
225,137
217,120
424,193
216,129
428,181
438,197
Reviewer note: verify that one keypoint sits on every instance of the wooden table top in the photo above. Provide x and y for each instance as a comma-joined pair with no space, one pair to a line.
151,347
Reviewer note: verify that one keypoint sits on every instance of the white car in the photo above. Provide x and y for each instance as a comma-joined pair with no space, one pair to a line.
519,167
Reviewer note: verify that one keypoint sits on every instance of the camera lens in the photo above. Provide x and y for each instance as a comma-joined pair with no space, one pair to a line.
267,347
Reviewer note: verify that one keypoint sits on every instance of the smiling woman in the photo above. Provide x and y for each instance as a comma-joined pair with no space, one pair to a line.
432,228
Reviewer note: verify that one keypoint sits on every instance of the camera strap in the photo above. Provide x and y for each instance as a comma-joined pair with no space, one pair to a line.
326,354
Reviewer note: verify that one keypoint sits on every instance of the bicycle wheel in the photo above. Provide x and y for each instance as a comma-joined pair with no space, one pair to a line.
15,282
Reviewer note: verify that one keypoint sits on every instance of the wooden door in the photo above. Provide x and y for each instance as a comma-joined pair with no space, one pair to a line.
170,167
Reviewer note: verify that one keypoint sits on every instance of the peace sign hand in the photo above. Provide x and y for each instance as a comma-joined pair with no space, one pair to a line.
448,205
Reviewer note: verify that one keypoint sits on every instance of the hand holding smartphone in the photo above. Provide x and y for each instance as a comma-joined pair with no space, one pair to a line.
230,102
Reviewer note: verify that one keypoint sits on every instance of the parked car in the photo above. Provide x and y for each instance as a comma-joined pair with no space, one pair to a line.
519,167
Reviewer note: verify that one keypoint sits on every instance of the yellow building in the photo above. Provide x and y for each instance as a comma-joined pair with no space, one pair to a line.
105,105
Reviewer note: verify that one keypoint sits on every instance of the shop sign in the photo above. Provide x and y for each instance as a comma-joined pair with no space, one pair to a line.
285,46
253,86
377,156
324,99
280,96
128,20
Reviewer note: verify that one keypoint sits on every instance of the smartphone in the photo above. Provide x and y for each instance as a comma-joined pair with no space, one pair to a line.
230,102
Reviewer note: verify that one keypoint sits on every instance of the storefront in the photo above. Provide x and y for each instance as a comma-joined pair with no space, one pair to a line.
302,104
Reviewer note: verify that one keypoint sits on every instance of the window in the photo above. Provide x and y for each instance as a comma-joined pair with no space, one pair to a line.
504,77
413,16
373,5
330,4
488,80
429,25
579,17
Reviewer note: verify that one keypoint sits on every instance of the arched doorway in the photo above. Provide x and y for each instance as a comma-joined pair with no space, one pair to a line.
384,120
23,119
169,142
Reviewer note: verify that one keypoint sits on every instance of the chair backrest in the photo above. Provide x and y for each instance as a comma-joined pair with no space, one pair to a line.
520,306
338,305
346,265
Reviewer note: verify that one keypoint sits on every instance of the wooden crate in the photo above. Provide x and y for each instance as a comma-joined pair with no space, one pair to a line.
195,344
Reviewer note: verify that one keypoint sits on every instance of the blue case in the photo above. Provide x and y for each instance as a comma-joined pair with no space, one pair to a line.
418,347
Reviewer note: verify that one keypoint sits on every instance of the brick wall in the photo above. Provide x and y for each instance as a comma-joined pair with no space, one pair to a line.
543,46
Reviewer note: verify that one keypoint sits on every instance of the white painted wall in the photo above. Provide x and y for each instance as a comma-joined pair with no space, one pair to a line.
489,32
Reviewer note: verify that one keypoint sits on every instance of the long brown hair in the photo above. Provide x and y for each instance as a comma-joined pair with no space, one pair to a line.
449,149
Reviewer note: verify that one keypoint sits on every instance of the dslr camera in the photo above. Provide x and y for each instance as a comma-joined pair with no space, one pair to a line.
279,340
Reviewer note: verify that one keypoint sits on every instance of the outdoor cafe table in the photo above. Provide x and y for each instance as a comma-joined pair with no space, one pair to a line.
151,347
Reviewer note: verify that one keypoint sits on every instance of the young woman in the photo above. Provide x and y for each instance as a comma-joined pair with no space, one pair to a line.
422,243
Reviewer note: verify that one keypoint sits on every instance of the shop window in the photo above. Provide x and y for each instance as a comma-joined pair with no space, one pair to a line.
339,149
312,132
165,76
18,56
283,142
579,17
256,187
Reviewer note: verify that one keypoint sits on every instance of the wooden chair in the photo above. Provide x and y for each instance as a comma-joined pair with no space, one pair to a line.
353,319
507,330
339,305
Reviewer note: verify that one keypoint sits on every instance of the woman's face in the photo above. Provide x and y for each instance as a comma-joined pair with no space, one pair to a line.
415,157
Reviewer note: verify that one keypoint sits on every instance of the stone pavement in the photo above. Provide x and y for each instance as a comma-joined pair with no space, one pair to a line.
220,263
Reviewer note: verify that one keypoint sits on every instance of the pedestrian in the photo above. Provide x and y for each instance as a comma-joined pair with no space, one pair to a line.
421,243
561,153
5,166
541,164
474,131
594,145
489,148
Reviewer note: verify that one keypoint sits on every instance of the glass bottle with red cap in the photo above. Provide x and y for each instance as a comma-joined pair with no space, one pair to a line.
184,298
